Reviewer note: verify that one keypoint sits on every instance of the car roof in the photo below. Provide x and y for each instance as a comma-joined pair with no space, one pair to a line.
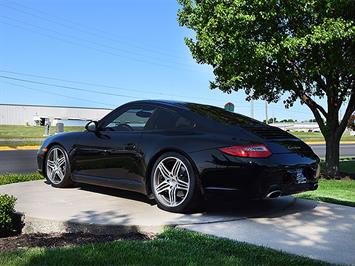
167,103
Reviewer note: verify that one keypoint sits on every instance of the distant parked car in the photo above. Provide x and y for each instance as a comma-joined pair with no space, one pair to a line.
176,152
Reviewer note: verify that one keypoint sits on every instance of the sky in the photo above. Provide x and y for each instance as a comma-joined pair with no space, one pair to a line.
64,52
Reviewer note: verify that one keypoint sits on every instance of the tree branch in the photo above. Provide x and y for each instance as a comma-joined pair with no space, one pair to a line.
303,96
308,100
311,104
349,110
321,82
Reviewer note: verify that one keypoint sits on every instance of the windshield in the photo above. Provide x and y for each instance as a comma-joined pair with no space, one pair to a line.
222,116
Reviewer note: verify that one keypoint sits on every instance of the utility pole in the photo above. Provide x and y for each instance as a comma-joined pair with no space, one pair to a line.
252,104
266,115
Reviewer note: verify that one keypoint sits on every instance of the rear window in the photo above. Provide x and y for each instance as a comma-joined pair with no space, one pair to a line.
163,119
222,116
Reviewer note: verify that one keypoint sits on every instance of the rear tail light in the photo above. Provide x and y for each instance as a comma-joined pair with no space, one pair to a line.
251,151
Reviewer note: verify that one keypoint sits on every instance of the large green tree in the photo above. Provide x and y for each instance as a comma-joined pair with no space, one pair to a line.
303,49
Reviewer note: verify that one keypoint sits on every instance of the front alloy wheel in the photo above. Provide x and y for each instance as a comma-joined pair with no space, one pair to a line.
57,167
174,183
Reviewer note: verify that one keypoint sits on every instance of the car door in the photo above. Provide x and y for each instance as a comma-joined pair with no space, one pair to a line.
112,156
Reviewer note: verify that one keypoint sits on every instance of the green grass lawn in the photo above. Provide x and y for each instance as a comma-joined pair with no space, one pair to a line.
317,136
347,166
14,144
333,191
172,247
16,178
28,132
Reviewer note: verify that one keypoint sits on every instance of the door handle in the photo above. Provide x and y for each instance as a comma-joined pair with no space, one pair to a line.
130,146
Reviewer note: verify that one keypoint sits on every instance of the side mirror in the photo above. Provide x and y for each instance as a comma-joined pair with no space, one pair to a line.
92,126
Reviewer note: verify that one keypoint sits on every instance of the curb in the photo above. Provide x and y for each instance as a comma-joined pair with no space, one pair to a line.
33,225
18,148
44,226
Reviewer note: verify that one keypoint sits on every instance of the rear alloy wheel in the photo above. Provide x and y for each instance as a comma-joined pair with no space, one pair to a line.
174,183
57,167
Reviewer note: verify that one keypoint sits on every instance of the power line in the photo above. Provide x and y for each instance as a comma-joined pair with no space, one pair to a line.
74,37
101,92
96,85
83,83
78,98
68,87
95,48
57,94
80,26
62,95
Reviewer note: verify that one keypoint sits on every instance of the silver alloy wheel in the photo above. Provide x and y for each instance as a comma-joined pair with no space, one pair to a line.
56,166
171,182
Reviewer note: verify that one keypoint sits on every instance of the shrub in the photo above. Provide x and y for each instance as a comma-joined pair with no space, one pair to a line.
7,215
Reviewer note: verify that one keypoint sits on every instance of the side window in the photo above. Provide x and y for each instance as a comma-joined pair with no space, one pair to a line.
134,119
164,119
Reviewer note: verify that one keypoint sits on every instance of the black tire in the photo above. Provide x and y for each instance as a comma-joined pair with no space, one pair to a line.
55,181
189,201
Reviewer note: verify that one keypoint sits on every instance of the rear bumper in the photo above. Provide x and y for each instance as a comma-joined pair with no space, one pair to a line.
256,178
266,192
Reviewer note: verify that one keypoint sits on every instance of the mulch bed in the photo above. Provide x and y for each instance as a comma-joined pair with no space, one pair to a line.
62,240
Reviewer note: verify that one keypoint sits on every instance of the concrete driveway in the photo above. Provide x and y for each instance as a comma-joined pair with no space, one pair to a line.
318,230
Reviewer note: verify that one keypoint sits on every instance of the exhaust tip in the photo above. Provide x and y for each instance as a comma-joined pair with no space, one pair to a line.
274,194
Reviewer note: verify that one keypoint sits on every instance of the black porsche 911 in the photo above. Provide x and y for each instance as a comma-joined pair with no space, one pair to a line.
176,152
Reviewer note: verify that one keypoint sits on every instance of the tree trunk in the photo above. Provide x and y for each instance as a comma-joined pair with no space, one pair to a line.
332,129
332,138
332,156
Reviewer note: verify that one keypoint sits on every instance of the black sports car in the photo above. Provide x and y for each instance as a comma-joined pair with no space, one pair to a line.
176,152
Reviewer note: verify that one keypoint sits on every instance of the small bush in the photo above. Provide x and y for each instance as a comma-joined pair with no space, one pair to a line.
7,215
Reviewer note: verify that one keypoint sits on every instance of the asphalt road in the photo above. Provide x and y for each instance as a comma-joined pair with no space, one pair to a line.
18,161
25,161
346,150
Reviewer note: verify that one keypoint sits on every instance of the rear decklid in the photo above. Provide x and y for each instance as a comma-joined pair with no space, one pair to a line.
278,140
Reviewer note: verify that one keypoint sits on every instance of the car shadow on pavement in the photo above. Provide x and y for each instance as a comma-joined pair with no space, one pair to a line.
117,193
222,205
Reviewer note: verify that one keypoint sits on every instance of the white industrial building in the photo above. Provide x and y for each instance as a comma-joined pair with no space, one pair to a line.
298,126
20,114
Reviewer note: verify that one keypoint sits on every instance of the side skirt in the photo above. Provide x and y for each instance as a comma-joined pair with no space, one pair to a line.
119,183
